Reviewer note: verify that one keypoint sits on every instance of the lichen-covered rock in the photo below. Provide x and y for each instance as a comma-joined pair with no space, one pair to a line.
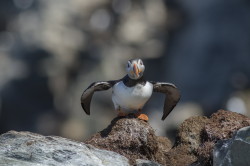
234,151
220,126
188,141
29,149
223,124
189,132
197,136
132,138
205,152
180,155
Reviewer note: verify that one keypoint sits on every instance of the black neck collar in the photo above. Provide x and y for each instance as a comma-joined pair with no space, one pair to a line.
130,82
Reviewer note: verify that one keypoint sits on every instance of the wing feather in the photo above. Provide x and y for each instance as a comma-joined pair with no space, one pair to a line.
88,93
172,96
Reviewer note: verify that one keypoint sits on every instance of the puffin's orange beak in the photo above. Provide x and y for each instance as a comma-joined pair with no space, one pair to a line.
136,70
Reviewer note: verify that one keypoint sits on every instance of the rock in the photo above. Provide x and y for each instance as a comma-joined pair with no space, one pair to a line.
140,162
223,124
134,142
189,132
194,144
220,126
204,153
29,149
132,138
197,136
180,155
164,144
187,141
234,151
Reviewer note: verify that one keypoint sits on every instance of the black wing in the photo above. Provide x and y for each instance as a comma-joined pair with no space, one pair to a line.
172,96
88,93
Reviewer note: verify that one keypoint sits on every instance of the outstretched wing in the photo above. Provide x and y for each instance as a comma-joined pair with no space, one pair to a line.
88,93
172,96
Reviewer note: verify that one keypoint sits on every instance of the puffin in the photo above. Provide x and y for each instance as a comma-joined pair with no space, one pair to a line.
131,93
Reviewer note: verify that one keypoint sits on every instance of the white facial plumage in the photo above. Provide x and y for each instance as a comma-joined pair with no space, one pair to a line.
135,68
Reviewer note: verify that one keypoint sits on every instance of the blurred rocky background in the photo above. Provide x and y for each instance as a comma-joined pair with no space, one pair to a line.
50,51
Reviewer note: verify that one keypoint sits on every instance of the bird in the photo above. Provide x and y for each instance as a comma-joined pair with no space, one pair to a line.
131,93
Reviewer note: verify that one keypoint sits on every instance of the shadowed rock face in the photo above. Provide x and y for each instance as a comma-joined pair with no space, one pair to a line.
132,138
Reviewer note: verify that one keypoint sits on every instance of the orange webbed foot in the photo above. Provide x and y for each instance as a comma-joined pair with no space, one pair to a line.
142,117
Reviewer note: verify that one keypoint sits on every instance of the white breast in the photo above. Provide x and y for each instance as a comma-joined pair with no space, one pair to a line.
131,98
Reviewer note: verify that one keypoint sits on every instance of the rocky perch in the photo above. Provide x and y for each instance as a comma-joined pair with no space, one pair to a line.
200,141
132,138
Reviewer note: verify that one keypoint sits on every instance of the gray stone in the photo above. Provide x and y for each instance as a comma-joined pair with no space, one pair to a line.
29,149
140,162
234,151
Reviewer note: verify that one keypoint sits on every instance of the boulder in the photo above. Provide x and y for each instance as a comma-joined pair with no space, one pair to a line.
189,132
187,142
30,149
132,138
234,151
223,124
220,126
197,136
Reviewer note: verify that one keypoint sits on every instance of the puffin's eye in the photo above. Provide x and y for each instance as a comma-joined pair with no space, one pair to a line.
141,62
